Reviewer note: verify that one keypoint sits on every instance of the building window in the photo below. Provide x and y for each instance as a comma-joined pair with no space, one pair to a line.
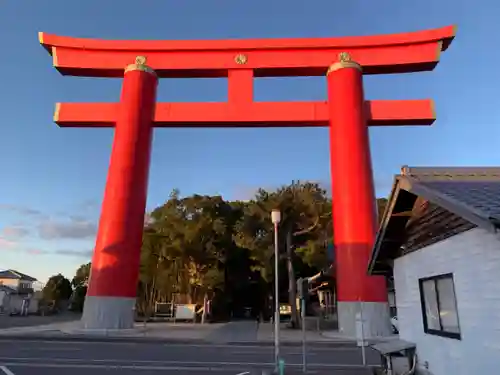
439,306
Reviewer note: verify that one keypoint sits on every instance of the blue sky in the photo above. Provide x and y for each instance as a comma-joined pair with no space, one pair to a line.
53,178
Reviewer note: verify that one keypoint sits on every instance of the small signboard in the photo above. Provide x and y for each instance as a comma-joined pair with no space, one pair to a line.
185,312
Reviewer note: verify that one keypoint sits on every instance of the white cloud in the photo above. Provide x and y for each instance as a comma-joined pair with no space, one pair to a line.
75,253
15,231
22,210
60,252
6,244
74,228
36,251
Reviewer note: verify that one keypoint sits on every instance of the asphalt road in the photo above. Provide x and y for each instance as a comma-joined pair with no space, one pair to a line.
39,357
35,320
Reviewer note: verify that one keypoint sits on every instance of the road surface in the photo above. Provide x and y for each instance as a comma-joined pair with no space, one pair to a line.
39,357
35,320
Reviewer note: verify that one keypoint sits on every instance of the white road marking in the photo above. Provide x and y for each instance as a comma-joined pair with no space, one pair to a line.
50,349
6,371
244,373
145,363
83,343
260,348
177,345
268,351
137,368
240,349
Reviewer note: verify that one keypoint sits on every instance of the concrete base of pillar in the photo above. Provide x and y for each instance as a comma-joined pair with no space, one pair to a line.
377,320
104,313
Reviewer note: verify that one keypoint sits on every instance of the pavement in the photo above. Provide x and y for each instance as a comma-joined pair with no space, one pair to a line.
44,357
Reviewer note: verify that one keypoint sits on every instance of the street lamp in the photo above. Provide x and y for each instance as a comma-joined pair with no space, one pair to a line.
276,218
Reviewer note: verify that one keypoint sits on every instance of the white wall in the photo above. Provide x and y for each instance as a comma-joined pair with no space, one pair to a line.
14,283
474,259
2,297
14,303
25,284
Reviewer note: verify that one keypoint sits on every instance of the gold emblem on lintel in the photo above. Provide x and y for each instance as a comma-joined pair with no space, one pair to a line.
344,61
141,60
241,59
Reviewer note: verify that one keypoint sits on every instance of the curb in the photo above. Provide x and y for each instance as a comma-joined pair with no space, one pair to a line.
145,340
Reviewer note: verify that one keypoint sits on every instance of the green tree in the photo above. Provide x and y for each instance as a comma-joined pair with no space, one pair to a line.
82,275
79,283
57,289
184,251
198,246
304,231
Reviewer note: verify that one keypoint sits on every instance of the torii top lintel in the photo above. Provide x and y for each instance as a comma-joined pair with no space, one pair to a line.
241,61
379,54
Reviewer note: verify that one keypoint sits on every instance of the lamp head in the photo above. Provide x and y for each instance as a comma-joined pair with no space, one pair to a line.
275,216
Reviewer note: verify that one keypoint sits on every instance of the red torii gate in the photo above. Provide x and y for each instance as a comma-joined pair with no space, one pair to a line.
115,263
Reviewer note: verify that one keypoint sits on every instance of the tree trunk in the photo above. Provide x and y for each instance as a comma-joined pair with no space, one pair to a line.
292,284
152,294
204,313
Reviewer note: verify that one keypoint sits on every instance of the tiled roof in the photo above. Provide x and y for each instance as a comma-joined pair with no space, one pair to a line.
470,193
476,188
13,274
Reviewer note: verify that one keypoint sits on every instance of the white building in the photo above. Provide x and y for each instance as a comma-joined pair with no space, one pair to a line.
16,291
440,240
16,280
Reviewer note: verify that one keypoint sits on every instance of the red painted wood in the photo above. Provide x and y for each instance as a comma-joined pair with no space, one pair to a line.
447,33
346,113
115,263
247,114
240,88
353,194
396,53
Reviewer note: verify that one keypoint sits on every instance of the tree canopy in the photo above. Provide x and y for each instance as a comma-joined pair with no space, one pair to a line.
200,245
82,276
58,288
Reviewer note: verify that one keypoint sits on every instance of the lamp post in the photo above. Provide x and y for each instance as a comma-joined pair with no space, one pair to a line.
276,218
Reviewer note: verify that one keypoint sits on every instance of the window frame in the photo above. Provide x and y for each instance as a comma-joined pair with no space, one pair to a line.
436,332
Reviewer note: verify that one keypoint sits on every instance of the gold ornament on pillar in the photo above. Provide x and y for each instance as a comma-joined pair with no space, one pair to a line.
344,61
140,64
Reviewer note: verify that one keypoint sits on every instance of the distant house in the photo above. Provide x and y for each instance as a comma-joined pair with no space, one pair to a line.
16,292
439,239
16,280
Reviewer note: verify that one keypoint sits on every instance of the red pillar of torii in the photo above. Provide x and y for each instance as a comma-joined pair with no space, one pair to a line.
112,288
